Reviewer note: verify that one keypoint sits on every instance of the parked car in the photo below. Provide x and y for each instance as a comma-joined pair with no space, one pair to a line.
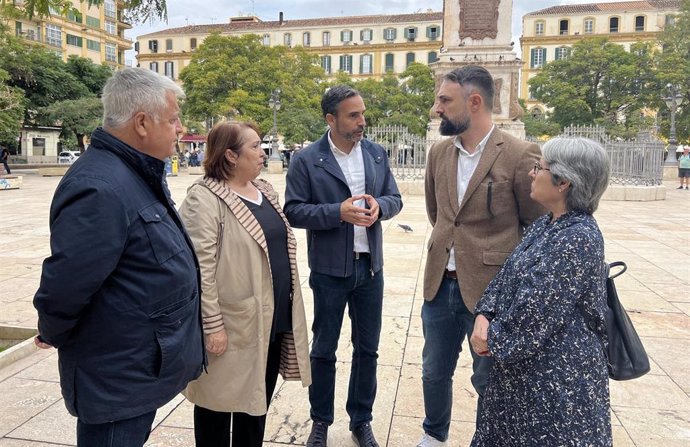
68,157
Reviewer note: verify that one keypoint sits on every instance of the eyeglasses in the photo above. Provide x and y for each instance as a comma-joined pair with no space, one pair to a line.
538,167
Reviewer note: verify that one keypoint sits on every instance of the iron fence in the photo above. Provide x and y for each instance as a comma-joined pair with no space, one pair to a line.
406,151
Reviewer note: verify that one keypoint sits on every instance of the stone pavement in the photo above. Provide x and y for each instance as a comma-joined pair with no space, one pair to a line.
653,238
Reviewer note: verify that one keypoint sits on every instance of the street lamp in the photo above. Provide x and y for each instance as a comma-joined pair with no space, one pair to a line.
274,104
673,100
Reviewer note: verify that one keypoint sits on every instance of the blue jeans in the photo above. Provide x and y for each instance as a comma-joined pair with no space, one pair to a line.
363,294
125,433
445,321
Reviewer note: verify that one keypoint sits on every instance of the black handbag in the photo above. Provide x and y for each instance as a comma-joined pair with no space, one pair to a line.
627,358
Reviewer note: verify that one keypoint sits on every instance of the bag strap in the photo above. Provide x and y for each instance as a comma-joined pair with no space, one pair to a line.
616,264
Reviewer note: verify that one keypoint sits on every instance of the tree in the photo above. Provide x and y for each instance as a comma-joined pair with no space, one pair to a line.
233,77
78,117
137,11
91,75
599,83
12,107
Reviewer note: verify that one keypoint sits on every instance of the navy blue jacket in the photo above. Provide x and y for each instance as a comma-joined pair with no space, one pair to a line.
315,189
119,295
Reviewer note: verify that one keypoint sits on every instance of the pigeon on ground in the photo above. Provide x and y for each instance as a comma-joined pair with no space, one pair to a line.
406,228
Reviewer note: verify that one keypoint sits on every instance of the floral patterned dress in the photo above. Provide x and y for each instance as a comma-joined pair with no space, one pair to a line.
549,383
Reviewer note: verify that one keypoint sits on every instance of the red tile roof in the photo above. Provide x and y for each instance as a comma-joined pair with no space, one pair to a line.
301,23
616,6
188,138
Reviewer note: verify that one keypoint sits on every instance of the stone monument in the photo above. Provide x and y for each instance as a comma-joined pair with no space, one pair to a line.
480,33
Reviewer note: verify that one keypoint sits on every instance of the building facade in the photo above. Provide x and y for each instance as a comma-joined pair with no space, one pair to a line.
363,46
548,34
93,32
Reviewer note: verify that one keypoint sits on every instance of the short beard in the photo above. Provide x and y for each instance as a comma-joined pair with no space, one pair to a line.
450,128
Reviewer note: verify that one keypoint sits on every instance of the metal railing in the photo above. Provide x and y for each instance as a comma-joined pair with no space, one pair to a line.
406,151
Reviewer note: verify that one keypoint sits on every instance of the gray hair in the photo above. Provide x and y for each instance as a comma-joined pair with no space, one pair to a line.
584,164
334,96
133,90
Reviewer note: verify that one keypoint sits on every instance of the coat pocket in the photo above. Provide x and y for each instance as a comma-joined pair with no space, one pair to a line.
173,328
495,257
241,319
162,234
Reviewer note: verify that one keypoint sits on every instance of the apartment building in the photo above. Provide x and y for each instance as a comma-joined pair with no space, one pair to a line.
548,34
363,46
93,32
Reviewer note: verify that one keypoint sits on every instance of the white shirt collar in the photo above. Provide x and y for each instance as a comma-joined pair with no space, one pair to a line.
337,151
480,146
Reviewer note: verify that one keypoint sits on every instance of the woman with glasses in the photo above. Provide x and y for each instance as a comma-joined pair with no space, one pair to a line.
251,302
549,382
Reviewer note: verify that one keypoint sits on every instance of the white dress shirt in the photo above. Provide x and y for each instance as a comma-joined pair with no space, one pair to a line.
467,164
352,165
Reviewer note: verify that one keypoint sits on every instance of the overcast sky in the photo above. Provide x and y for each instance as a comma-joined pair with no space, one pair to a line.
196,12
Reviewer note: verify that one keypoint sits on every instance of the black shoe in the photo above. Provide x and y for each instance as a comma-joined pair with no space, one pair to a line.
680,187
363,436
319,435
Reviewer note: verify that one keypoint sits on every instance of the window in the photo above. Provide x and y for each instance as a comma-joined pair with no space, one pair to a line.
411,33
153,46
537,113
110,52
563,27
431,57
346,63
639,23
365,64
136,47
538,57
168,45
153,66
433,32
562,53
93,22
366,35
74,16
192,43
539,28
390,59
306,39
589,26
287,39
613,24
54,35
110,27
74,41
109,8
389,34
170,70
669,19
409,58
93,45
266,40
326,64
18,29
530,93
346,36
326,37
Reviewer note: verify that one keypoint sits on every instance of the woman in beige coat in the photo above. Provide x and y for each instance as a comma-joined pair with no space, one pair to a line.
252,308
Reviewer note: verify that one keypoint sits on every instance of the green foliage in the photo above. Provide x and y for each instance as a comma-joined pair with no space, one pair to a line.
78,117
91,75
12,107
599,83
137,11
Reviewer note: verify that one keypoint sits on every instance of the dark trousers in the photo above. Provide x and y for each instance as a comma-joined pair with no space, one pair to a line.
446,322
212,428
362,292
7,167
125,433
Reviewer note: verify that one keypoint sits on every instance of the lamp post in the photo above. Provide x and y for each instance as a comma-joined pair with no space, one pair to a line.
673,100
274,104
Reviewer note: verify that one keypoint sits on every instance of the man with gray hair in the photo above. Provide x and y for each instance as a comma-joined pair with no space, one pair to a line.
340,188
119,295
478,201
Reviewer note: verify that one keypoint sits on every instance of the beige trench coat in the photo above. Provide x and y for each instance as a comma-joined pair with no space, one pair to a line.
237,290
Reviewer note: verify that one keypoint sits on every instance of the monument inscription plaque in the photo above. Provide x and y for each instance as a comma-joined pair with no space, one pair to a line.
478,20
